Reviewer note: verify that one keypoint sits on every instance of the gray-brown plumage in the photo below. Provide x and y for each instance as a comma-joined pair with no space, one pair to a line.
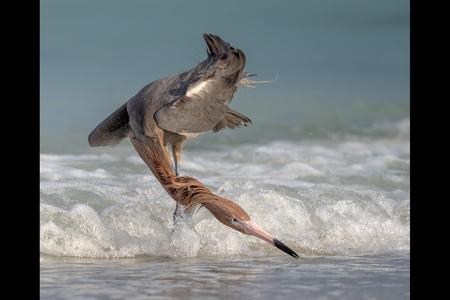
183,105
173,109
191,194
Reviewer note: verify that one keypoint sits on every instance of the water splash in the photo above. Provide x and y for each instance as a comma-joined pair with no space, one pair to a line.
329,197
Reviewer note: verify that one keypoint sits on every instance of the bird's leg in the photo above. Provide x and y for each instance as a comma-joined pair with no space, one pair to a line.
177,149
176,152
169,158
178,209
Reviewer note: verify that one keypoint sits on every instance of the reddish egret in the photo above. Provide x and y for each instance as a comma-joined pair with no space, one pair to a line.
190,193
182,105
173,109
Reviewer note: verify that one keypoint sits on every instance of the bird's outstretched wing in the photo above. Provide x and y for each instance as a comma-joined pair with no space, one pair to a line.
112,130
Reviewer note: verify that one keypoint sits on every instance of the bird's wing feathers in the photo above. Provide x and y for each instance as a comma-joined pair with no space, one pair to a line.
200,98
112,130
190,114
204,98
231,119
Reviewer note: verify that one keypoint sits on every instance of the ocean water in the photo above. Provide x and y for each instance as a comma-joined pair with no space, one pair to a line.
320,197
325,166
271,277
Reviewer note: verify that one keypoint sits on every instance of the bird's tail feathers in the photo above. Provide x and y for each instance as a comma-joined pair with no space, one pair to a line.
216,44
228,62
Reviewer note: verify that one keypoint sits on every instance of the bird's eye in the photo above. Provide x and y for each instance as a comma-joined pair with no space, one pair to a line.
234,220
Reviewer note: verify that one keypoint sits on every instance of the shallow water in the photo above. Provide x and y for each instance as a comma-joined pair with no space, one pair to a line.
343,205
269,277
336,198
325,166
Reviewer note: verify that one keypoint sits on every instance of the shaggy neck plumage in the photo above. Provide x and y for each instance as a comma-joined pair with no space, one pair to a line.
185,190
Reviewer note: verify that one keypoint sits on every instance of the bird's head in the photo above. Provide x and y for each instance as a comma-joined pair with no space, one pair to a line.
232,215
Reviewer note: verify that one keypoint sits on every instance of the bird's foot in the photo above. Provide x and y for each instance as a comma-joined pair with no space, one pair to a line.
178,214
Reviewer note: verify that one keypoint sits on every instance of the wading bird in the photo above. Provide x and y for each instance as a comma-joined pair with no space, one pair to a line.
173,109
183,105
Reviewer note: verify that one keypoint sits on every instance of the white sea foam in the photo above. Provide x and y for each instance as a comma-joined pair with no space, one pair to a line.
329,197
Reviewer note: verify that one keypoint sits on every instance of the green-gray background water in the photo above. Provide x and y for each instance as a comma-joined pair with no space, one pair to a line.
337,65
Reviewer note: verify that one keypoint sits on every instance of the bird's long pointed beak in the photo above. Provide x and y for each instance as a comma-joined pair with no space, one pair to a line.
253,229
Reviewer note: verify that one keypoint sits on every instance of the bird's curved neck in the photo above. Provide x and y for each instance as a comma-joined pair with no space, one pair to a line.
184,190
